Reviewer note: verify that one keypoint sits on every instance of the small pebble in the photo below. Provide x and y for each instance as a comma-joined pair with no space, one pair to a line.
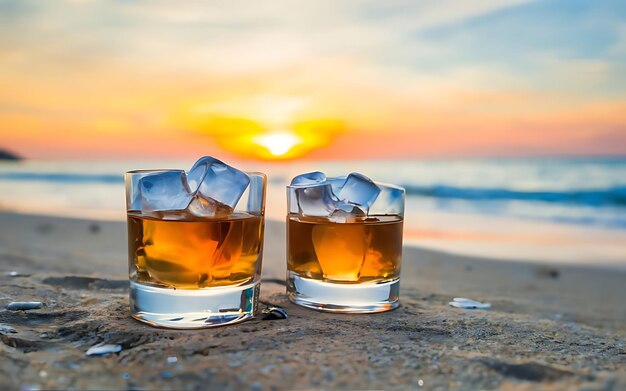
6,329
267,369
100,350
17,274
235,363
468,304
24,305
256,386
274,313
547,272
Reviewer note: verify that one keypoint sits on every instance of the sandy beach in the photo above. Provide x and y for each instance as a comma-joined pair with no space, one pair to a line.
553,326
490,137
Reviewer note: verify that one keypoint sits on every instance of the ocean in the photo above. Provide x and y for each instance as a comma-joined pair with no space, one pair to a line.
450,203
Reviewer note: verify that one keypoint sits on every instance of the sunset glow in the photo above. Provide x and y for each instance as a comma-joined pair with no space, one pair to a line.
285,82
278,143
252,139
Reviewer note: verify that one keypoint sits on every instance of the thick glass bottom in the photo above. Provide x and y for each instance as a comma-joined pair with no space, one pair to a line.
348,298
193,309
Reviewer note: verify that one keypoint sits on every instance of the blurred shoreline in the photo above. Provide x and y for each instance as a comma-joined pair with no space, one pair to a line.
574,215
536,244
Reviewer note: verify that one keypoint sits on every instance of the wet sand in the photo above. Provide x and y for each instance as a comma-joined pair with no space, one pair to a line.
552,326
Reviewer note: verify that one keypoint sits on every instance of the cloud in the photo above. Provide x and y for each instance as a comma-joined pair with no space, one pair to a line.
231,36
155,67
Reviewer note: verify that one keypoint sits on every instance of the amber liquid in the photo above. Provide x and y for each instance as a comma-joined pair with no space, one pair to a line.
183,251
366,250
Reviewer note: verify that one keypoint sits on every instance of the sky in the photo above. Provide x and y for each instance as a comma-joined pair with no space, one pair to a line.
312,79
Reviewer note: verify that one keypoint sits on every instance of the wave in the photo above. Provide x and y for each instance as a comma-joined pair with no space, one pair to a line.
615,196
609,197
62,177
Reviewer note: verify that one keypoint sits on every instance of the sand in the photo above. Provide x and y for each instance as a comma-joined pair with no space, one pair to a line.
551,326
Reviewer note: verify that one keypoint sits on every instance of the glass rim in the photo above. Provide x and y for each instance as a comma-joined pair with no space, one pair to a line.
381,184
155,170
149,170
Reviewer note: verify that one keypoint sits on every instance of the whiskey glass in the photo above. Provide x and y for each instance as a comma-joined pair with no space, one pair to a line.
194,262
344,243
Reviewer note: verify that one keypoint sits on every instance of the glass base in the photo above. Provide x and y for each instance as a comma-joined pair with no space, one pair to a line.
193,308
348,298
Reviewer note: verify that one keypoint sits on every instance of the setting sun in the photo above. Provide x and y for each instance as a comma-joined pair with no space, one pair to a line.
260,138
278,143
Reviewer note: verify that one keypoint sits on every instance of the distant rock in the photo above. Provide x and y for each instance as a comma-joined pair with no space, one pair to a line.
6,155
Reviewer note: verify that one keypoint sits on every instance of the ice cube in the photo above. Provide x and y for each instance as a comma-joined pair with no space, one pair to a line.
359,190
316,200
346,213
349,208
336,183
133,195
390,201
310,178
341,216
208,207
166,190
212,178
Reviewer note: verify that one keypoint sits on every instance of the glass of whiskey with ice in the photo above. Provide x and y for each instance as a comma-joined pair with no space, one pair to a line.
195,242
344,243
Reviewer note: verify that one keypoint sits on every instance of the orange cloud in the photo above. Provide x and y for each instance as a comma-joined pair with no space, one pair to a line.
285,113
253,139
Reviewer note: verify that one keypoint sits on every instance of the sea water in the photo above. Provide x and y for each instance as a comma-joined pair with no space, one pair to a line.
451,203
